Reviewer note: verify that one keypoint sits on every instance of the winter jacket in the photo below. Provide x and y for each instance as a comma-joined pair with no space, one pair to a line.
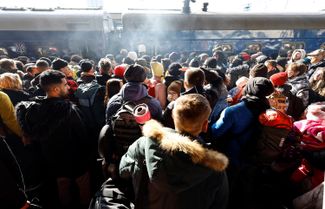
313,67
233,130
7,114
182,173
132,91
16,96
219,106
12,195
300,88
102,79
58,132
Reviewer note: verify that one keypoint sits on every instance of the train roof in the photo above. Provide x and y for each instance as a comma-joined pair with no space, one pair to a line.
222,21
52,20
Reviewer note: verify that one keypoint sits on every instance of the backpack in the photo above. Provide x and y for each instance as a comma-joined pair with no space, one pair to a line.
275,128
124,126
90,103
110,196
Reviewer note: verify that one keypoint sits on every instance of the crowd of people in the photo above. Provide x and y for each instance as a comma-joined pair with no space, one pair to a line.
237,132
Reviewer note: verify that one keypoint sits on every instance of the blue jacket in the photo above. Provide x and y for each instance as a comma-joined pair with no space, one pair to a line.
133,91
235,125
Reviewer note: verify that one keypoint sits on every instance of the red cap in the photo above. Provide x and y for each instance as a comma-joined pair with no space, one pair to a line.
119,71
279,79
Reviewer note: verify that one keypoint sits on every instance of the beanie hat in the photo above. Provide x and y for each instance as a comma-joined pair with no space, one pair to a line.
128,61
135,73
259,87
175,86
46,59
132,55
261,59
211,62
279,79
58,63
194,62
174,69
85,65
119,71
245,56
142,62
157,69
174,57
259,70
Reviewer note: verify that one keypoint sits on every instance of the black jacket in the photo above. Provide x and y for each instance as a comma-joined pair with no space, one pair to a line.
16,96
57,129
11,183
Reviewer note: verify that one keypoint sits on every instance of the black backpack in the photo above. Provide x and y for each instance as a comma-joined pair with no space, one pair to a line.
91,102
110,196
124,127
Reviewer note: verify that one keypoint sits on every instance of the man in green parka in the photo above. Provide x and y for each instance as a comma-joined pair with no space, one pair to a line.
182,173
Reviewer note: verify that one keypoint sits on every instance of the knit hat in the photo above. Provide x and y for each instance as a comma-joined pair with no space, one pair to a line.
128,61
157,69
245,56
211,62
174,57
259,70
119,71
86,65
259,87
58,63
175,86
261,59
279,79
132,55
135,73
174,69
142,62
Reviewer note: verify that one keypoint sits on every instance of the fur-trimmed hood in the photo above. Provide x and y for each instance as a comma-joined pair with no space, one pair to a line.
171,142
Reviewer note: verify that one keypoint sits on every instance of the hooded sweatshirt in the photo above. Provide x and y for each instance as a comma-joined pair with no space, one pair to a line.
132,91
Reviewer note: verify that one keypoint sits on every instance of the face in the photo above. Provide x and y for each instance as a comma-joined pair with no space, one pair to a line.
290,72
63,88
318,75
172,96
297,56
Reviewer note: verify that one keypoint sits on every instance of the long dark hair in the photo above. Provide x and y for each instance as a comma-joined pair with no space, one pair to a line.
113,86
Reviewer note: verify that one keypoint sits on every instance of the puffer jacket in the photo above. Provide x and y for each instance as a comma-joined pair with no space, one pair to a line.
300,88
182,173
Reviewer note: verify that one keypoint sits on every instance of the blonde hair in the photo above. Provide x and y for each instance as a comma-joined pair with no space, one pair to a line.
318,85
10,81
189,113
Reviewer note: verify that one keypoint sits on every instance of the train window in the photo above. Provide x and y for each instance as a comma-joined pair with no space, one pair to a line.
227,48
293,45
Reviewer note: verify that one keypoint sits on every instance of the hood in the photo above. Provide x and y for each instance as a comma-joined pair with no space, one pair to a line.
44,116
172,167
133,91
